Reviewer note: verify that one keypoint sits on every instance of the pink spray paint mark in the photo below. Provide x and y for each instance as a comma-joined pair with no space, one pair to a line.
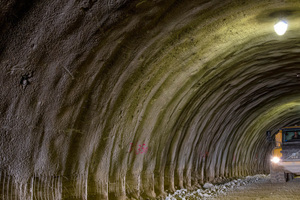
204,155
140,150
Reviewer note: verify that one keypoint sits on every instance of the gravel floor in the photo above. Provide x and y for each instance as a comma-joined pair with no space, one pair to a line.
251,187
266,190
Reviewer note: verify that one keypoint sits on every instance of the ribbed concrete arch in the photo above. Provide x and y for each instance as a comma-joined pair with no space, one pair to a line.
87,84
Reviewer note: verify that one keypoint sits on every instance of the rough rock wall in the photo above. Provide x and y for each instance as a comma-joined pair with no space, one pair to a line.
116,99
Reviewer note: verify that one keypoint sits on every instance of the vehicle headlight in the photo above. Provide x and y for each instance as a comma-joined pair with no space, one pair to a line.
275,159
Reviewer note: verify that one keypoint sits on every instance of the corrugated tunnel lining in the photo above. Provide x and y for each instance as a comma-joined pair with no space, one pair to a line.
85,83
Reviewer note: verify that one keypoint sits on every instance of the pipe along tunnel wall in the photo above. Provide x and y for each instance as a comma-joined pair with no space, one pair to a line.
116,99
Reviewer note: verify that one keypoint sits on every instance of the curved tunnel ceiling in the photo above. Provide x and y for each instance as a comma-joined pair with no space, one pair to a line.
197,83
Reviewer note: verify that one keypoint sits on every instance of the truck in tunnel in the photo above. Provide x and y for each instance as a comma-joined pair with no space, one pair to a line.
285,158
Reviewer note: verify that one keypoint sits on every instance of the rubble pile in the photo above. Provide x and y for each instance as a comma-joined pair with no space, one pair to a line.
209,190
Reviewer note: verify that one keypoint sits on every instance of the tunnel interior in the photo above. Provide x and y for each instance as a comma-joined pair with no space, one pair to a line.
134,99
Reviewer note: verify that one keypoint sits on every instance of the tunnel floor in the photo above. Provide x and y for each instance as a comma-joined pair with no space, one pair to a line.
250,187
266,190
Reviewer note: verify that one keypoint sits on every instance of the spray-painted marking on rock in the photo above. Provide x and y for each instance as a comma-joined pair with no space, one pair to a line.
141,148
204,154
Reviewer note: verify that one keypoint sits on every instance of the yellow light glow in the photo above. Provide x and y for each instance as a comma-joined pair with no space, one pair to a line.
275,160
281,27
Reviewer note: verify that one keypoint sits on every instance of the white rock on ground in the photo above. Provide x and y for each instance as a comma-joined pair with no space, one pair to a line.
208,186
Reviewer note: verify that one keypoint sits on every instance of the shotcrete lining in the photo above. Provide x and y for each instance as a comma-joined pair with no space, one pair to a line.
197,84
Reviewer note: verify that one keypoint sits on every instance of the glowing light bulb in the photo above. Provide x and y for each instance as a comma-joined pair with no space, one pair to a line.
275,160
281,27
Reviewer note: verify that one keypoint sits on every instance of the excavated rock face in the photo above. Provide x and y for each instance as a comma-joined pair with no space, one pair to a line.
119,99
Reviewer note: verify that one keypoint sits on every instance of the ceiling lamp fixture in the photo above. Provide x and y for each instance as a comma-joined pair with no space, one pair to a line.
281,27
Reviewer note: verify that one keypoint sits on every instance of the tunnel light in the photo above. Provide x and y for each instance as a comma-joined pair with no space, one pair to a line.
281,27
275,160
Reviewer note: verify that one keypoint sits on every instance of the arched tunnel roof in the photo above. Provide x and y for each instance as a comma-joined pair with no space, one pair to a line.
133,98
